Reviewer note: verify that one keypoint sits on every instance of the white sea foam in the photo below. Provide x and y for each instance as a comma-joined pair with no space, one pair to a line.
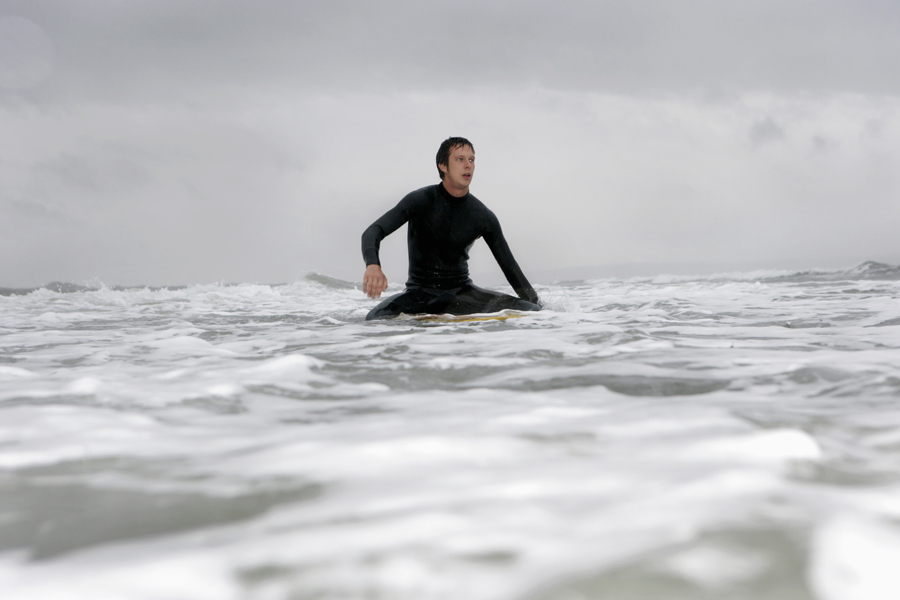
855,558
703,436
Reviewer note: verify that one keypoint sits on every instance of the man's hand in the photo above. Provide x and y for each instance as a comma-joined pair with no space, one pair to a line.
374,281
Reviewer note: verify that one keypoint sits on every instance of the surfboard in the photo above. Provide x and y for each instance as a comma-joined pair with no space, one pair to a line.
500,316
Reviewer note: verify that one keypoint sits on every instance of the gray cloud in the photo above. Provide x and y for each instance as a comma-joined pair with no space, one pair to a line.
26,53
766,130
32,210
166,48
188,141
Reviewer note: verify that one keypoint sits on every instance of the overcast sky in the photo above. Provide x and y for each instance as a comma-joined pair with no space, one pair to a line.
187,141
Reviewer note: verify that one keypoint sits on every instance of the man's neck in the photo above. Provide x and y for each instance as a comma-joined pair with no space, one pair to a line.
454,192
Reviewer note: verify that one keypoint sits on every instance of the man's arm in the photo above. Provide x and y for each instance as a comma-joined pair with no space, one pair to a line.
374,280
514,275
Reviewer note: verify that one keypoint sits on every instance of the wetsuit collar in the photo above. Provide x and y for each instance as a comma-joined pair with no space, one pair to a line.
450,196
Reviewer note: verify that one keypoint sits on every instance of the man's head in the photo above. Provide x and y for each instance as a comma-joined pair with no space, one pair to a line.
448,145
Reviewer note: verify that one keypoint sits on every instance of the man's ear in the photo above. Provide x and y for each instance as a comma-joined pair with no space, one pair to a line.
443,169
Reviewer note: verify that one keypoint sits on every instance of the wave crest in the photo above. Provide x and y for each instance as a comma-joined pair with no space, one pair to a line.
869,270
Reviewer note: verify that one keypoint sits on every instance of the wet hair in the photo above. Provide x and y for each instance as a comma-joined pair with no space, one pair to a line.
443,153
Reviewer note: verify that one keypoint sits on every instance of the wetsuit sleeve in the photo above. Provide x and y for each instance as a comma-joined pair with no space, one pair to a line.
384,226
500,249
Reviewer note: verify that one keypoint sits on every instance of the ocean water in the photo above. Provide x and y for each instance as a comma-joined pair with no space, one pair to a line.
727,437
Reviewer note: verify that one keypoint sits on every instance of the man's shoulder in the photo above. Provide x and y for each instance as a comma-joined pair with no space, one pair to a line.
476,203
421,195
481,209
428,190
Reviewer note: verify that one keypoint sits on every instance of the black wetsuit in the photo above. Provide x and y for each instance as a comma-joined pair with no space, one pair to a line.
442,228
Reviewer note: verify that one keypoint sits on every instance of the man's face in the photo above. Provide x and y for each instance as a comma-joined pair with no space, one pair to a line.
459,170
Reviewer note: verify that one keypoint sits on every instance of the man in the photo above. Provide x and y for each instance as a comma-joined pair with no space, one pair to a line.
444,221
